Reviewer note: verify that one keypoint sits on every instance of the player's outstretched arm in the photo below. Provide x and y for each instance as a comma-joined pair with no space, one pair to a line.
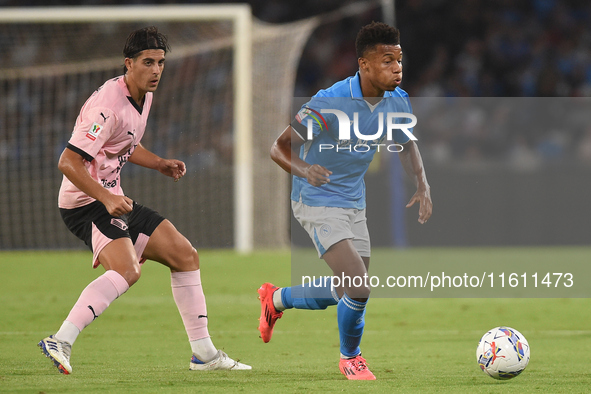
285,152
71,164
170,167
411,160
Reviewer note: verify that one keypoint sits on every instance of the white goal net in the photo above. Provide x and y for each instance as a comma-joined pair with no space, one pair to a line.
218,108
225,96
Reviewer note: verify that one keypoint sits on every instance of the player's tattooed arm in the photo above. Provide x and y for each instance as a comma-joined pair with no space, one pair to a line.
411,160
285,152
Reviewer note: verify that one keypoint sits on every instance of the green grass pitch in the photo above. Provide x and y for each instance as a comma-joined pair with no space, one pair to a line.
139,344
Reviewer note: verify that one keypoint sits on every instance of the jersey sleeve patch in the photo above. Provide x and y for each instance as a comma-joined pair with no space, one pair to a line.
302,114
94,131
310,116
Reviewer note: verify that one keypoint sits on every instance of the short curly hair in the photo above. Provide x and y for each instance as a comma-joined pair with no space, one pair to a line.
375,33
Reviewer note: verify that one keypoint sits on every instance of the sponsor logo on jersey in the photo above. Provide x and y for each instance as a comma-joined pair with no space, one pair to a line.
94,131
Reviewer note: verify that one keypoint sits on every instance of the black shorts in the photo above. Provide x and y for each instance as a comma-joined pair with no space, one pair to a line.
94,225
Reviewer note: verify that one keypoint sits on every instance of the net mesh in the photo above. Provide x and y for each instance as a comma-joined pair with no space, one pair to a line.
48,72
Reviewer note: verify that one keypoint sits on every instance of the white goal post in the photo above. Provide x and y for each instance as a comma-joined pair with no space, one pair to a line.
226,95
241,18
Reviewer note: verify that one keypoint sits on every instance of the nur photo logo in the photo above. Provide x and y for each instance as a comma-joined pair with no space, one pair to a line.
387,123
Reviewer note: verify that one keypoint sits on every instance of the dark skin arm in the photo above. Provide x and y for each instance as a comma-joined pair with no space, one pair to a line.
411,160
285,152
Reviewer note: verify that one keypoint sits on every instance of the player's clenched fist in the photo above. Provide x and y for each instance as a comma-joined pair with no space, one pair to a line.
172,168
317,175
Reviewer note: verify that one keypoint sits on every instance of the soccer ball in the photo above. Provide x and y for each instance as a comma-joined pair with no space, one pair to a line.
502,353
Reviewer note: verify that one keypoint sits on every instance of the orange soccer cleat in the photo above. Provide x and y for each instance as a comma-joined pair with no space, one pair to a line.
355,368
269,314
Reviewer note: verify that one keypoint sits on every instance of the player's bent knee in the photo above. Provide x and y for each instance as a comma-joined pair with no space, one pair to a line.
133,274
130,272
184,259
120,256
360,293
193,260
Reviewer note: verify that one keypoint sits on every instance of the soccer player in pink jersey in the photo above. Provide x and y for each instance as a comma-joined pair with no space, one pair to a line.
121,233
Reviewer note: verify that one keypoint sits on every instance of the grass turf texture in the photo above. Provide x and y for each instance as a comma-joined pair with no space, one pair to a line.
412,345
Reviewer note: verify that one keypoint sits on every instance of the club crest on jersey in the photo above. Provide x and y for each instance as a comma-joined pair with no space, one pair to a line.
325,230
94,131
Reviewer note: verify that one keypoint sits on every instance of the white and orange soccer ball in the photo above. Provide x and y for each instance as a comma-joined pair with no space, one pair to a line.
503,353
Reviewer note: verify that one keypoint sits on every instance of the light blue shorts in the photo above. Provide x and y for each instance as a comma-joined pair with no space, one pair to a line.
329,225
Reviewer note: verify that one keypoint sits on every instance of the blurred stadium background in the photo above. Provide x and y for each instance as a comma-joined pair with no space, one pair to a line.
522,185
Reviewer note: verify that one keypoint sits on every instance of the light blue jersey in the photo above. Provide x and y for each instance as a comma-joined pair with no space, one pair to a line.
348,159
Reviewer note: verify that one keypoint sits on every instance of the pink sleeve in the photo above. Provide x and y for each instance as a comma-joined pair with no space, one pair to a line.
92,130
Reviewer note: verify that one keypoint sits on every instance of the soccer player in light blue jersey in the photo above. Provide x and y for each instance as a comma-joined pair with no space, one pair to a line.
328,148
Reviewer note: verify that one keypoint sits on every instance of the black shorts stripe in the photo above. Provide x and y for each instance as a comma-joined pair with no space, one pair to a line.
141,220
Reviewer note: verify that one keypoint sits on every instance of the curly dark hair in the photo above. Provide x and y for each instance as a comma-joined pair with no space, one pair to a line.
374,34
142,39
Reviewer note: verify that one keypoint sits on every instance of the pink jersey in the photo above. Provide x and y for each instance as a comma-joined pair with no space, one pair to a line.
106,133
